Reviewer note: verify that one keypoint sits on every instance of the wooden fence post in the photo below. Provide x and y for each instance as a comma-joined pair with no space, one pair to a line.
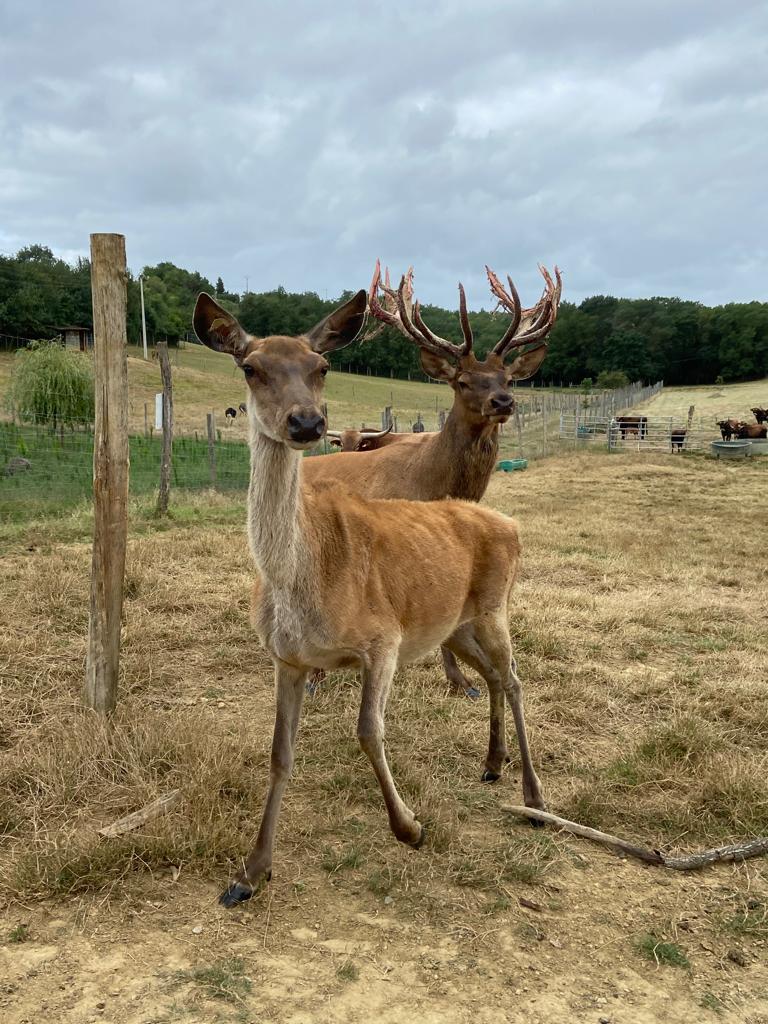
165,459
110,470
211,447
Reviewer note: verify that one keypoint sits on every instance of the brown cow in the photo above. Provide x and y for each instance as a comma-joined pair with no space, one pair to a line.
761,415
677,437
728,428
363,440
752,430
637,425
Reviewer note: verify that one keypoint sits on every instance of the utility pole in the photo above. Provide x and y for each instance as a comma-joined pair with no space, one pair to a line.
246,284
143,317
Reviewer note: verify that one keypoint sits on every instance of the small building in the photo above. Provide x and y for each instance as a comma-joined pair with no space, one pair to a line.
80,338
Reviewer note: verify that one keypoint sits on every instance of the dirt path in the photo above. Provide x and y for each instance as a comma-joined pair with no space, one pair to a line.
320,954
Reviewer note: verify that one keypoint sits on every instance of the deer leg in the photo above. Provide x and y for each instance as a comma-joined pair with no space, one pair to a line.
370,733
458,681
466,643
289,692
484,644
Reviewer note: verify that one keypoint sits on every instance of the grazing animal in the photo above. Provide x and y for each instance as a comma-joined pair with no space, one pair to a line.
362,440
17,464
242,408
677,437
761,415
457,461
728,428
345,581
230,414
637,425
752,430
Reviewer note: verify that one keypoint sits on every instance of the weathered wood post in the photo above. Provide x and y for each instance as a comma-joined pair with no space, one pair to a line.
165,458
110,470
211,426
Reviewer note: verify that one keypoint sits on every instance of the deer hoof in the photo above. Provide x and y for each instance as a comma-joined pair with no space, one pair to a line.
489,776
472,692
420,841
240,892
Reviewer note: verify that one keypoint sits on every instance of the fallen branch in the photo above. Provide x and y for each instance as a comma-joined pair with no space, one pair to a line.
688,862
158,807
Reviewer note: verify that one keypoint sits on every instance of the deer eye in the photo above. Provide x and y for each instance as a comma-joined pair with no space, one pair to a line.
248,370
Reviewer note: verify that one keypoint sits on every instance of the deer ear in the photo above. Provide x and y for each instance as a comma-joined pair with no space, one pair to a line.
527,363
341,327
218,329
437,367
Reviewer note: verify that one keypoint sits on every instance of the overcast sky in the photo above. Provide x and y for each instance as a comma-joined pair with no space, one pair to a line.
296,142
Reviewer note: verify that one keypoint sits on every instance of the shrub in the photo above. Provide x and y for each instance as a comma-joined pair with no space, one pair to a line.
612,379
51,385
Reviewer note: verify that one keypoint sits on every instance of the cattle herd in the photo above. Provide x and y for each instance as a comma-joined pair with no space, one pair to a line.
746,431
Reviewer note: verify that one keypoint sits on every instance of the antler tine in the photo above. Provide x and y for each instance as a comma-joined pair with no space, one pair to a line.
466,328
538,320
407,318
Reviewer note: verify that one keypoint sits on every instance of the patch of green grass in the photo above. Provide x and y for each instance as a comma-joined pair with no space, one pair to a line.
750,920
348,972
662,952
19,934
711,1002
226,980
335,860
527,858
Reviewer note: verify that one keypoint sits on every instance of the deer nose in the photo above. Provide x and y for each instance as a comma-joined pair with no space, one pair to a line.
502,402
305,426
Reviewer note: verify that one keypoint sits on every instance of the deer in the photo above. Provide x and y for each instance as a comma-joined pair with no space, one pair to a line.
349,581
456,462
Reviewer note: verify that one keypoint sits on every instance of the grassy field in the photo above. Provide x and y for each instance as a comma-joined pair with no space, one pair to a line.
732,401
204,382
639,624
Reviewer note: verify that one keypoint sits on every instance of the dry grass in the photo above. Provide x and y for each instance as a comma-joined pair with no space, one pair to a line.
641,631
718,402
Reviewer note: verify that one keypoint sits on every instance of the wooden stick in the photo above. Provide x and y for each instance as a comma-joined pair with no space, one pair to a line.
136,819
650,856
110,470
688,862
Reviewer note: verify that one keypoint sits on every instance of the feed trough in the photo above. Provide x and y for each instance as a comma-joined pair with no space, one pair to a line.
509,465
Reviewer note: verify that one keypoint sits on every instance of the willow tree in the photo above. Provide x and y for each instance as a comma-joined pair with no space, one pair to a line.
52,386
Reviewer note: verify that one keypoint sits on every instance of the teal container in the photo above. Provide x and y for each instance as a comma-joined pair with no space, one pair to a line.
509,465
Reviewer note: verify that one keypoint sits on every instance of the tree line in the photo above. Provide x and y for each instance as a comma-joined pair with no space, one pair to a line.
679,341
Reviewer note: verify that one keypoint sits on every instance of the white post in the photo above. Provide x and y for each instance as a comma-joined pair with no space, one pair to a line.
143,318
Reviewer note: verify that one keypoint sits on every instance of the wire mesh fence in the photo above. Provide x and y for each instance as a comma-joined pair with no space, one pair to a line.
636,432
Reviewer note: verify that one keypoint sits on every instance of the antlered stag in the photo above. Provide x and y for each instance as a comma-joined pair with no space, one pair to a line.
456,462
345,581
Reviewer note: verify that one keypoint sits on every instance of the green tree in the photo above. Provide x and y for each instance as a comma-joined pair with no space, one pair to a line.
612,379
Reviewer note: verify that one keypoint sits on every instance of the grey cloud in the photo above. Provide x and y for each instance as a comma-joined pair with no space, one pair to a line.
296,147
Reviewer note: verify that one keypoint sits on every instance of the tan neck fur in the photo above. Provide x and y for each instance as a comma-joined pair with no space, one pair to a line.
275,510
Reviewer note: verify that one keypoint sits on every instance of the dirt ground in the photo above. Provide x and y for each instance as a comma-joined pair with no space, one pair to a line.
333,956
643,638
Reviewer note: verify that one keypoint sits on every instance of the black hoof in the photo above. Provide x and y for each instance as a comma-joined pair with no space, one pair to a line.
489,776
236,893
311,689
420,841
240,892
472,692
